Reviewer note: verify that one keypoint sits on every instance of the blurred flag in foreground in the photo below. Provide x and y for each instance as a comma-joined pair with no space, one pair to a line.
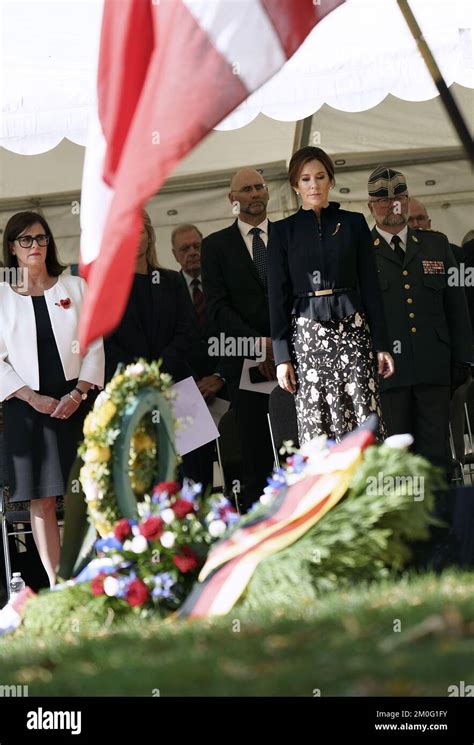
168,72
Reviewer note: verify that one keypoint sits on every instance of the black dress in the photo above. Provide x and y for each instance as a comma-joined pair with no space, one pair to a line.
40,449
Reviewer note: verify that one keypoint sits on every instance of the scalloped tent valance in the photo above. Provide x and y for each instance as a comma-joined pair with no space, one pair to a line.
352,60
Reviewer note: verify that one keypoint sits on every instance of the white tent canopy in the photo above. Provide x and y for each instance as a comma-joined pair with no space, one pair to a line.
358,81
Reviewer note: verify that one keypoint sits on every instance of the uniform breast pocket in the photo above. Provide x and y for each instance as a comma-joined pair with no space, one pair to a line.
433,292
384,284
434,281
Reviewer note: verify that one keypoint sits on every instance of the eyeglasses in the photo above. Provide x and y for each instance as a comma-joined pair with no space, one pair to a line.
248,189
385,201
26,241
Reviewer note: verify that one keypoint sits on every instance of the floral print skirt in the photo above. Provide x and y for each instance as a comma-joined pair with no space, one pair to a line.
337,378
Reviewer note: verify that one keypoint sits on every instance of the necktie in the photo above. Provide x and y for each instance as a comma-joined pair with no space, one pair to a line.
396,241
198,300
259,252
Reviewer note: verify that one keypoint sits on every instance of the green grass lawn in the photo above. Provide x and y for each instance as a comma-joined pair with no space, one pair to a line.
343,645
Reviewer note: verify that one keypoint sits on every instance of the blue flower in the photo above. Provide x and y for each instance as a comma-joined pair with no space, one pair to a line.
106,565
231,517
123,585
163,584
296,463
108,544
190,491
278,479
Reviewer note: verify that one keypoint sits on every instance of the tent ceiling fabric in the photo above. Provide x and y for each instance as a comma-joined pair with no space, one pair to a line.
352,60
405,130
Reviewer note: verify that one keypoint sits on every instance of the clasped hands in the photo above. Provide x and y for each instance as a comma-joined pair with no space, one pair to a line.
57,409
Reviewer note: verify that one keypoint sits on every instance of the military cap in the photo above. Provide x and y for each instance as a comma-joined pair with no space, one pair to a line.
385,182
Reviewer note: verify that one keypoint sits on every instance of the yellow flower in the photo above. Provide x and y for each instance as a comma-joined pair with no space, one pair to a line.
138,486
142,441
105,414
89,424
97,454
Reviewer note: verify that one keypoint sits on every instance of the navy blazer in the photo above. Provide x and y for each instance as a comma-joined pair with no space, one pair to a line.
168,333
305,255
235,298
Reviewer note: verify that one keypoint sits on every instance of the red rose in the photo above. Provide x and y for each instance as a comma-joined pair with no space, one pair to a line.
170,487
97,584
152,528
182,507
187,560
137,593
122,529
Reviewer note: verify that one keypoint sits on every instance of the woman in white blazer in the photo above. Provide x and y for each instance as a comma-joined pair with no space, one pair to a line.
44,380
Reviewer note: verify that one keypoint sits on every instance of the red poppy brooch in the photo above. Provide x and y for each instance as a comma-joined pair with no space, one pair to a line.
65,303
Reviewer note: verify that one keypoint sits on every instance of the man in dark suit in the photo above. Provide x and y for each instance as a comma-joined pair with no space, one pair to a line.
186,242
186,245
427,319
234,279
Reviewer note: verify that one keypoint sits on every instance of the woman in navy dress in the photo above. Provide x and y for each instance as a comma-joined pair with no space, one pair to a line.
327,320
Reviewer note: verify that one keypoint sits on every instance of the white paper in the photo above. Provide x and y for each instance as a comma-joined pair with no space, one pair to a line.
218,408
247,385
196,426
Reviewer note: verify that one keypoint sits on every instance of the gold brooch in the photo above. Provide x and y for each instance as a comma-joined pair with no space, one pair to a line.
377,242
415,239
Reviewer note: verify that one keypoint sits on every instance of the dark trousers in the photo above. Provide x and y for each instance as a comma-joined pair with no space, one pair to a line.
251,411
423,411
198,465
458,419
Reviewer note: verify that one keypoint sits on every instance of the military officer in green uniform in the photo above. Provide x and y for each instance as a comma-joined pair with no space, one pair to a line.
427,319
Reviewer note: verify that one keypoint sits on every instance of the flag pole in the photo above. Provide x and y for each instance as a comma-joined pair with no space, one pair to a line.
447,98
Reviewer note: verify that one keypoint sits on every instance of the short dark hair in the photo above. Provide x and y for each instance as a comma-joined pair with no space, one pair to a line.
303,156
15,226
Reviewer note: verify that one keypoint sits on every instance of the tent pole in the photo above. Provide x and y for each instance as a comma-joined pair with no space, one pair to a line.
450,104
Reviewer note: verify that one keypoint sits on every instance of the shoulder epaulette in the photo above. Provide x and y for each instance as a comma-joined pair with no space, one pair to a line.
431,230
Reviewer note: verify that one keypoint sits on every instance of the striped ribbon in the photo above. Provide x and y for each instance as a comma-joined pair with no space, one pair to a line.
232,562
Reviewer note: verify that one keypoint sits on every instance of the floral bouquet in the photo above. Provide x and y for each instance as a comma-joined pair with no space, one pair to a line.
155,560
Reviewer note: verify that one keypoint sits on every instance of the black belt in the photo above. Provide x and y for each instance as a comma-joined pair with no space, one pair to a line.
321,293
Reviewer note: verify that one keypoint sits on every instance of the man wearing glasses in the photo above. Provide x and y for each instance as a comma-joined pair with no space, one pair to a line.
235,288
427,319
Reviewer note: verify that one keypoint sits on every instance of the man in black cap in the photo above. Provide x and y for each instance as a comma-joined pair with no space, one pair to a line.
427,319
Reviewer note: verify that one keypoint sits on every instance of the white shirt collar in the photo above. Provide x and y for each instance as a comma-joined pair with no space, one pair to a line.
245,228
189,279
388,236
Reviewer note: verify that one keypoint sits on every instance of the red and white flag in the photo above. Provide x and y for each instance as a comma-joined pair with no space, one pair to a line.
169,71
